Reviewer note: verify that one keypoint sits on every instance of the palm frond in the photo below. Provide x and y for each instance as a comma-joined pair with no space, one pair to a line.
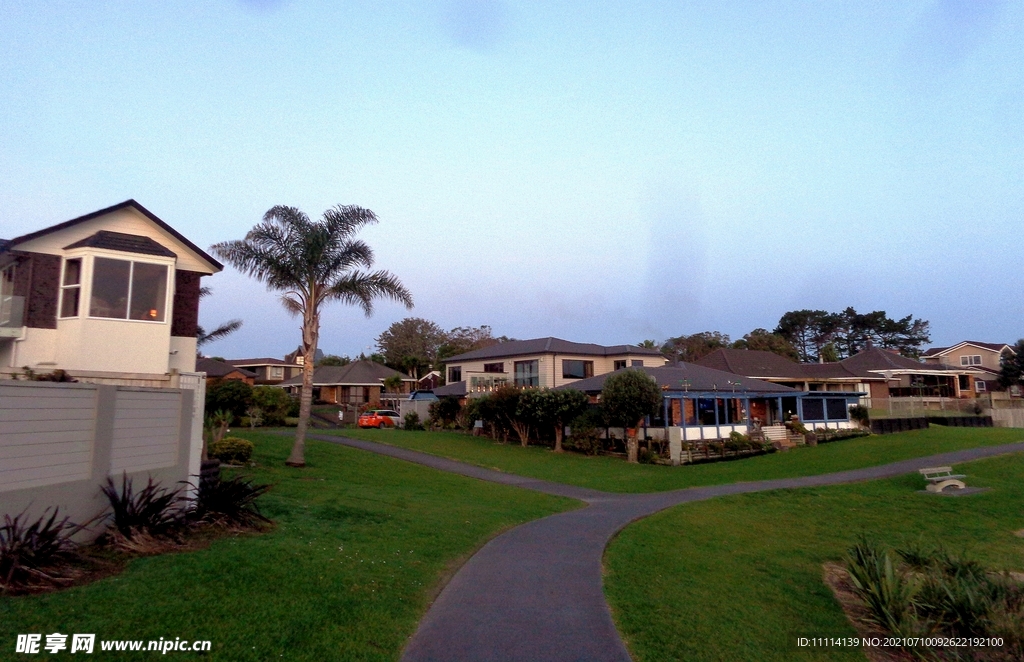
221,331
361,289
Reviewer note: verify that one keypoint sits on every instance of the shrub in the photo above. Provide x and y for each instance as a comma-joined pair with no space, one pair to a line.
861,414
412,421
231,396
33,555
231,450
645,456
230,501
155,510
274,402
584,436
445,411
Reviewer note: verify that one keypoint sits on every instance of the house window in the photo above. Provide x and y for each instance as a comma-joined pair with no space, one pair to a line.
637,363
980,386
71,287
276,372
836,408
618,365
527,373
300,359
454,375
965,382
494,367
1015,390
574,369
128,290
814,409
973,359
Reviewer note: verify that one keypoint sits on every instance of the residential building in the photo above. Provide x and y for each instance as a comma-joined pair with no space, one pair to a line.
360,383
268,370
983,356
219,371
543,362
109,297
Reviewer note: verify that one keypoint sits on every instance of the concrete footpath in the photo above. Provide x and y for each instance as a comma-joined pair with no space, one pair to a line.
535,592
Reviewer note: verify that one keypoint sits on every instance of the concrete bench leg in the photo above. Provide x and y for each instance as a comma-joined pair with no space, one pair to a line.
938,487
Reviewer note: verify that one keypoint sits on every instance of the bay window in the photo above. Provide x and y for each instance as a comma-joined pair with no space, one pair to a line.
124,289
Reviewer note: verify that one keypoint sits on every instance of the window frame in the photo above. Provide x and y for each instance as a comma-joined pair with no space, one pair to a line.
276,372
588,369
618,365
496,367
980,386
454,374
533,376
65,287
89,277
970,359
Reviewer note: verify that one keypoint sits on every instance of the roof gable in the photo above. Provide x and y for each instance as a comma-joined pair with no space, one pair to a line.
998,348
357,373
198,254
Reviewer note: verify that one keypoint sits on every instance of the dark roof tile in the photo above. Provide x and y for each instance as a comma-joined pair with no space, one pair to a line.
124,243
547,346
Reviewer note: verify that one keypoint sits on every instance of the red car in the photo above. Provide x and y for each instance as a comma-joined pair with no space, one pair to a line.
379,418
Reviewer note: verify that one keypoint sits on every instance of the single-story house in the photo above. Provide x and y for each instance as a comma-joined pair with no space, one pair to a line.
710,404
543,363
357,384
110,297
219,371
268,370
877,373
429,381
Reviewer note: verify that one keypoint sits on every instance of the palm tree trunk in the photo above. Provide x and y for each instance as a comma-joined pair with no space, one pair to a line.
310,331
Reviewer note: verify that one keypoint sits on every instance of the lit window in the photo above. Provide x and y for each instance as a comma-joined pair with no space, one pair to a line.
527,373
71,287
128,290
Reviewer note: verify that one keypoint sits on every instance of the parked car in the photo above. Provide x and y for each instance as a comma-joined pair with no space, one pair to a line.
380,418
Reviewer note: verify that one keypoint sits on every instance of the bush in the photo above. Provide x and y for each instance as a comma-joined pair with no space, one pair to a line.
274,402
645,456
412,421
584,435
445,411
155,511
34,555
231,450
889,596
230,501
860,414
231,396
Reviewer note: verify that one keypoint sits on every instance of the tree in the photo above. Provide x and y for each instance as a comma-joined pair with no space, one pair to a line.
627,397
464,339
225,329
274,402
1012,371
231,396
763,340
807,331
648,344
558,408
411,344
333,360
694,347
393,384
313,263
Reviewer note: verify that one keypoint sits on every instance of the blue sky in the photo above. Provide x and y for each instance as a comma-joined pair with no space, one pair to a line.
602,172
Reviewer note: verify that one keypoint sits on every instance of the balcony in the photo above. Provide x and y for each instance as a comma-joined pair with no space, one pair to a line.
485,382
12,316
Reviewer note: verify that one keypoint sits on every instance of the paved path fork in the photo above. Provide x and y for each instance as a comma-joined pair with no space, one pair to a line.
535,592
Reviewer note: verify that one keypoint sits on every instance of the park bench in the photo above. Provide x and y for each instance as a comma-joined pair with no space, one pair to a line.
939,478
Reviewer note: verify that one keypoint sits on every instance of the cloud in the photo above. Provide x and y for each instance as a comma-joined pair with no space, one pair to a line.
475,24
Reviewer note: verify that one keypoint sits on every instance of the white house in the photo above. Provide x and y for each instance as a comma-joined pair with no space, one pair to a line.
112,297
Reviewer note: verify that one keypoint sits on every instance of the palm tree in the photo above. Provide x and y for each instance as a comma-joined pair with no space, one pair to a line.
313,263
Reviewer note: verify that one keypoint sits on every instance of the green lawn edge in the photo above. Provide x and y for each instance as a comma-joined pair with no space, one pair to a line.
362,544
612,474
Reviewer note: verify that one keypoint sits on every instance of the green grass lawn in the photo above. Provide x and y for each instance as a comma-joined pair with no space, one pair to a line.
614,475
739,578
361,544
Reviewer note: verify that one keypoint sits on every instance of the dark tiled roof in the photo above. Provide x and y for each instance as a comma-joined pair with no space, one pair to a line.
458,389
125,243
752,363
121,205
874,358
355,373
548,346
263,361
689,377
214,368
932,351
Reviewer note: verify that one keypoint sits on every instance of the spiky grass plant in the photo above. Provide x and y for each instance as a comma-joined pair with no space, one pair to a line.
230,501
888,594
36,554
154,510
